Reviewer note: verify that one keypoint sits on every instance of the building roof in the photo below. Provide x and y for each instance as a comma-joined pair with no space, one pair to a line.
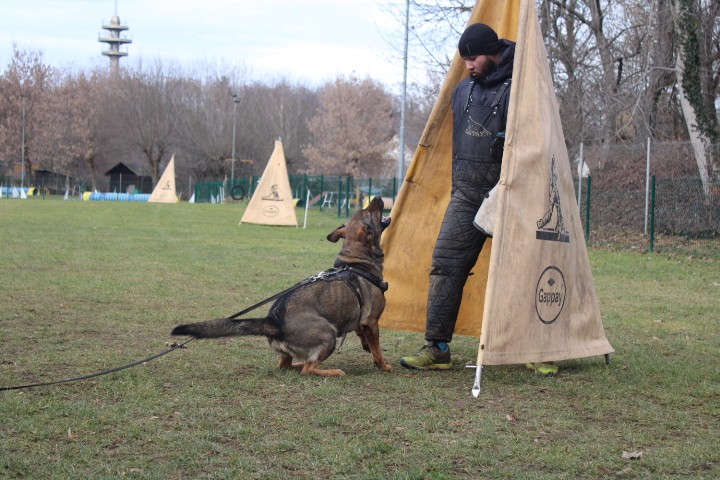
120,169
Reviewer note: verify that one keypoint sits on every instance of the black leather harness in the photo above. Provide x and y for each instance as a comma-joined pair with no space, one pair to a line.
348,274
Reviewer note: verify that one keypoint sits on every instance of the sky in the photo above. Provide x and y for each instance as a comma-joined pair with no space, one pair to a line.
304,41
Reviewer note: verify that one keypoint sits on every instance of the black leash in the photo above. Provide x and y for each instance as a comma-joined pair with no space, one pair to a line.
326,275
320,276
104,372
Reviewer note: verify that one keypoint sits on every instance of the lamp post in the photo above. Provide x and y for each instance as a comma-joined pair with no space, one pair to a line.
236,100
401,159
22,147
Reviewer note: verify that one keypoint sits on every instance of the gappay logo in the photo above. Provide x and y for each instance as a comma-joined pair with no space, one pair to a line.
550,295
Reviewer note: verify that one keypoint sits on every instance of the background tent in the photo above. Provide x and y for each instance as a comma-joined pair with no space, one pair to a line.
272,203
534,286
164,191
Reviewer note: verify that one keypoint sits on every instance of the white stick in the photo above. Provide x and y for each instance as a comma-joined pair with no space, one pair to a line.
307,201
478,375
581,167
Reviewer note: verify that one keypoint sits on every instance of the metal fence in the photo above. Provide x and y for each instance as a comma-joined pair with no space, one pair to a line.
47,182
616,197
329,193
618,193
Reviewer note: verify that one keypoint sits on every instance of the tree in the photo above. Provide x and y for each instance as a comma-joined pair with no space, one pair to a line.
74,133
434,28
146,108
690,68
623,69
23,88
258,112
352,129
279,110
206,126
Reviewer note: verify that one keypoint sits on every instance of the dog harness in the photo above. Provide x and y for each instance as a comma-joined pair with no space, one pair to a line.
348,274
383,286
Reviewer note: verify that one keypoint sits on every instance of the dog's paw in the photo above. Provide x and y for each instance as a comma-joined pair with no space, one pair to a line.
385,367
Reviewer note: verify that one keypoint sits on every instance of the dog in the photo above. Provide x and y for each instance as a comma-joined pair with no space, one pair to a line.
304,324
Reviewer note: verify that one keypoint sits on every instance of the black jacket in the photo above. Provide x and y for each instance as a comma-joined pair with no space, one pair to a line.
480,108
486,86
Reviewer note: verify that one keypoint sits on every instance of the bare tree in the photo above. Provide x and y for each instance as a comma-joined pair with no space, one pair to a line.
434,27
420,101
622,68
23,89
147,110
278,110
206,120
692,84
73,133
352,129
259,113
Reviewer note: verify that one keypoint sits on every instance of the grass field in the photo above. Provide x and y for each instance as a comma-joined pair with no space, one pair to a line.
88,286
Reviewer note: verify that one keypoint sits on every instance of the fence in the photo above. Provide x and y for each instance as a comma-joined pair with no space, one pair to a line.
614,198
47,182
620,197
331,193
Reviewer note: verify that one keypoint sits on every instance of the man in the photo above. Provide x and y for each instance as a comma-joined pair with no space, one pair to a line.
480,107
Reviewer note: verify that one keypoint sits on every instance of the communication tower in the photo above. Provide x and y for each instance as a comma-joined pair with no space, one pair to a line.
114,40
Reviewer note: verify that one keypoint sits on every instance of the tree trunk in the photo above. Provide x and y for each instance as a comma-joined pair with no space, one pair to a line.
662,74
687,69
609,79
90,160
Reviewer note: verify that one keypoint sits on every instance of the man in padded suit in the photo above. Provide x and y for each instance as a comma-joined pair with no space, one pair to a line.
480,108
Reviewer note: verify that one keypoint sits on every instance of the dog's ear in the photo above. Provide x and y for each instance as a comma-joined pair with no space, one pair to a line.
337,234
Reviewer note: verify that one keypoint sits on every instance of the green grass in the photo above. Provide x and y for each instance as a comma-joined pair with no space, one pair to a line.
88,286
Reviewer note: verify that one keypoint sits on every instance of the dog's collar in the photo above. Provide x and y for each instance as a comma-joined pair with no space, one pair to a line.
342,266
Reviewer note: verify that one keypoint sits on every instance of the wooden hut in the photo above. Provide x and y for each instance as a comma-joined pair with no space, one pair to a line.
124,180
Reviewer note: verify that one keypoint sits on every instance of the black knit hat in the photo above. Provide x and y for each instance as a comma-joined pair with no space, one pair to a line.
478,39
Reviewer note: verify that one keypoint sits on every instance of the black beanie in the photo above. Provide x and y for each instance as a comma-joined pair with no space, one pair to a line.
478,39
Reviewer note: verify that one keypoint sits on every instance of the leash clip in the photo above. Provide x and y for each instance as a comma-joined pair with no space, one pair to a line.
323,275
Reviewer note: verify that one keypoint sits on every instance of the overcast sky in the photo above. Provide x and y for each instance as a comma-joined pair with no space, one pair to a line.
308,41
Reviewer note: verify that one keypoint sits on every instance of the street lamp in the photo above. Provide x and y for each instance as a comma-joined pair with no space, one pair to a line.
236,100
401,159
22,147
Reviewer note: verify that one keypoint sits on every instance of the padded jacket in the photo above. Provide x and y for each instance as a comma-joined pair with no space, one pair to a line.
480,108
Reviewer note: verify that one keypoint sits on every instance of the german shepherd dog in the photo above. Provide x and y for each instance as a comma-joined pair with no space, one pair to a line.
304,324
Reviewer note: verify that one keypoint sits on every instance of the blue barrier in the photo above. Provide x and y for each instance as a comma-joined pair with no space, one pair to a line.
8,191
119,197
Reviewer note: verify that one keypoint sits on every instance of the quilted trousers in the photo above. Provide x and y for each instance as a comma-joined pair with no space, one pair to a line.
456,252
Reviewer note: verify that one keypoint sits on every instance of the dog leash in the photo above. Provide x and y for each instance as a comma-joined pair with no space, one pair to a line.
104,372
324,275
174,347
158,355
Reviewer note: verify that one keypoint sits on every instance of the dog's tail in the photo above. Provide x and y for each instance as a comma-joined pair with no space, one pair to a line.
226,327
